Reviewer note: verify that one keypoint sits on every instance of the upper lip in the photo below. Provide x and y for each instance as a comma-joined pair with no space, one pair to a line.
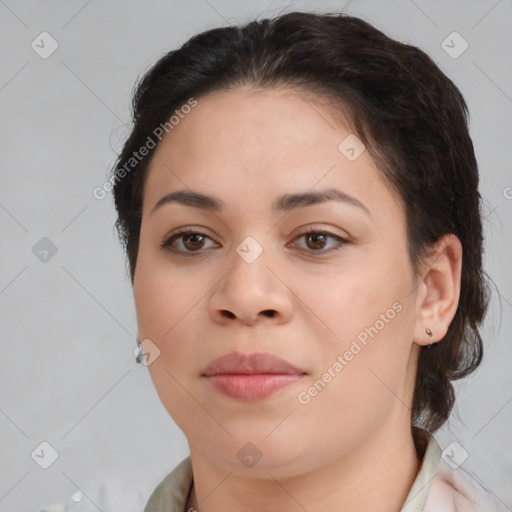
238,363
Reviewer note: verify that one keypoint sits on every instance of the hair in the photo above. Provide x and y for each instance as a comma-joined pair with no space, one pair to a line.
411,117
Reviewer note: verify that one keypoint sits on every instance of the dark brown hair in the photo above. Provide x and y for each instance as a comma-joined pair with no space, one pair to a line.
411,117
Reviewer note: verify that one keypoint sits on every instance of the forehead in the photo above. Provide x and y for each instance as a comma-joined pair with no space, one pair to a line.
268,141
223,119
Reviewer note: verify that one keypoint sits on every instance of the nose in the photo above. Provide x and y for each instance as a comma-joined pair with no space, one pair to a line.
252,293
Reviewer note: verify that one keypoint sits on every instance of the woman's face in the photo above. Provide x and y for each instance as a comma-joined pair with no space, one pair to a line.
325,285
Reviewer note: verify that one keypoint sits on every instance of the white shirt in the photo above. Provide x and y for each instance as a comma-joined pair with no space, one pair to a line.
440,486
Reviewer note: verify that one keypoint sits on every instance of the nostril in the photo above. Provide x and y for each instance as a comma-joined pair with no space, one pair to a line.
267,312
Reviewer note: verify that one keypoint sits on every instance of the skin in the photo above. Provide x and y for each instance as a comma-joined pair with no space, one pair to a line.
350,448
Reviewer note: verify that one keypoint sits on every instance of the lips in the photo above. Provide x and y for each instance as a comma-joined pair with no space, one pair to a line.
237,363
251,376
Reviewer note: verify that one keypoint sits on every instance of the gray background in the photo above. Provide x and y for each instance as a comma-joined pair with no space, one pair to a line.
67,372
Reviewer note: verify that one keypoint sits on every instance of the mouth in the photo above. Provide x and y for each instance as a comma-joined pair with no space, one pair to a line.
251,376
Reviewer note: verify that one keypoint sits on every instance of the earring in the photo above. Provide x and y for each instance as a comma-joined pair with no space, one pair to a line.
429,332
139,355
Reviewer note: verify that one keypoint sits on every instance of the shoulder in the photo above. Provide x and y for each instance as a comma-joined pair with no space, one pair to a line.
441,485
109,491
456,490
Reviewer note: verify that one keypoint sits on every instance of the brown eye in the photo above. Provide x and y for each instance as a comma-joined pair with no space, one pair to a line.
318,241
193,241
188,241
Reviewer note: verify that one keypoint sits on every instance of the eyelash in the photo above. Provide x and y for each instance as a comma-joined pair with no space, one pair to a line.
166,243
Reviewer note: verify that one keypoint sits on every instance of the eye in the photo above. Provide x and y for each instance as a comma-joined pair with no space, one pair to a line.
317,240
188,241
191,241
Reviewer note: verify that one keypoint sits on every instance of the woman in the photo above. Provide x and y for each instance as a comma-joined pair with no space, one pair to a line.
298,200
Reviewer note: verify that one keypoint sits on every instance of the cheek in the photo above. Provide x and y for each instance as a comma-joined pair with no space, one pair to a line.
363,374
170,304
164,295
350,299
165,302
368,311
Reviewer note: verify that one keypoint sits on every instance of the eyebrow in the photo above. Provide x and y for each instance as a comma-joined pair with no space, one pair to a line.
284,203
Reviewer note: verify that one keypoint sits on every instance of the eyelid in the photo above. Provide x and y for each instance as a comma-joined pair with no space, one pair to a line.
320,229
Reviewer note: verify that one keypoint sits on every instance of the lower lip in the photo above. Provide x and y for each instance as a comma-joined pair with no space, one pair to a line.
251,387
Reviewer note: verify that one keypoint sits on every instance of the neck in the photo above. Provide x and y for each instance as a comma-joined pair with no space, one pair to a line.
377,476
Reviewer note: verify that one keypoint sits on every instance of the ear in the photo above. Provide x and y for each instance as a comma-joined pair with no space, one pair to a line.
439,290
